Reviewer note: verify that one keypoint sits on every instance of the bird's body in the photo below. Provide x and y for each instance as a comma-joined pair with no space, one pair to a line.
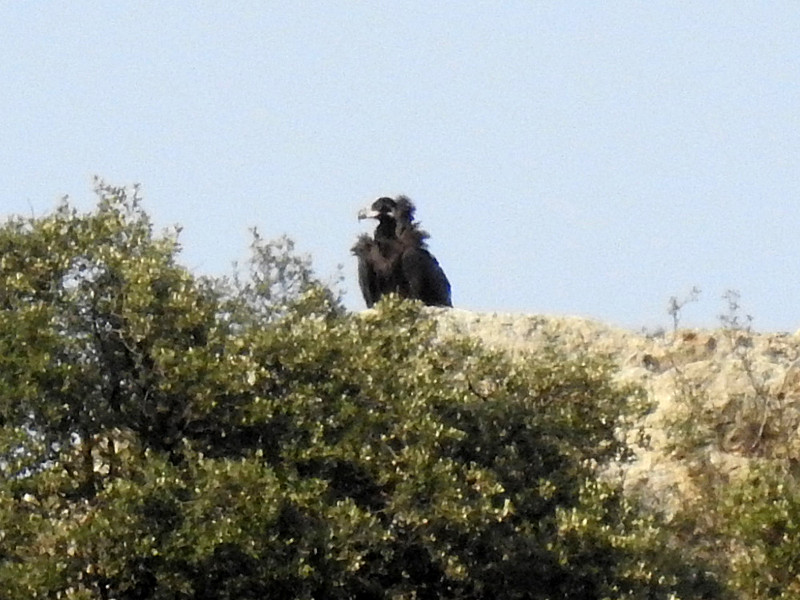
397,260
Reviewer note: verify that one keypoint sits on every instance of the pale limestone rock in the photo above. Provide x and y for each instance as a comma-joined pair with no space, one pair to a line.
746,385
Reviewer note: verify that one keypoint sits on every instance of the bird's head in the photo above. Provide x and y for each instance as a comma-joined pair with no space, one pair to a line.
399,210
383,208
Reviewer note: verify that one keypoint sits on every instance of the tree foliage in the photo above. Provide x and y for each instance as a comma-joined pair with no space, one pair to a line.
760,519
167,436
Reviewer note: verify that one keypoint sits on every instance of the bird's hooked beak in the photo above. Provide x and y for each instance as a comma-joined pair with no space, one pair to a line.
368,213
381,208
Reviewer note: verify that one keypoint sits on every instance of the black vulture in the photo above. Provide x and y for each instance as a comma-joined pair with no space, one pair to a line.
396,259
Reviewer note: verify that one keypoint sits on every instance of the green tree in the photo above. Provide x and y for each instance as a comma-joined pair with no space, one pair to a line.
172,436
759,524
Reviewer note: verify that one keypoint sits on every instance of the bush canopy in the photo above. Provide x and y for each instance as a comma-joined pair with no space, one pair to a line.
165,435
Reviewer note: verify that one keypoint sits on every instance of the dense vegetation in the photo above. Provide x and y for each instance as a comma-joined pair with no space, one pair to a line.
166,435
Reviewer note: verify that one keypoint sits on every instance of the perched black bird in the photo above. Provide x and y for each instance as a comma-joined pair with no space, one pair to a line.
396,259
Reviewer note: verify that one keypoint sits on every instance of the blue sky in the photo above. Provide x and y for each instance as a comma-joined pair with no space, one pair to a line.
590,158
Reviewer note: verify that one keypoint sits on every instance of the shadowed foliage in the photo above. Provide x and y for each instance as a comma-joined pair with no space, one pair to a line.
166,436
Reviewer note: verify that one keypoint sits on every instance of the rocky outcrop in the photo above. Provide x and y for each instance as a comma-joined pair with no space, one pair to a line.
721,399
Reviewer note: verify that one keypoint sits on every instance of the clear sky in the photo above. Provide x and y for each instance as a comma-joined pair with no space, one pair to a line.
590,158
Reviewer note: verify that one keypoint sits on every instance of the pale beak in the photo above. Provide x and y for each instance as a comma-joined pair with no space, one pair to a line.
367,213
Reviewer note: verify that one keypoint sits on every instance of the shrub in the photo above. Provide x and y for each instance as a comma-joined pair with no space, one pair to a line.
170,436
760,522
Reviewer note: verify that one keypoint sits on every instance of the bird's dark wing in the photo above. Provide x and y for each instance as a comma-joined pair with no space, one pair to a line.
367,274
424,278
368,281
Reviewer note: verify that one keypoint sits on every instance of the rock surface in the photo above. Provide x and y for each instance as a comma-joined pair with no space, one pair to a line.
721,398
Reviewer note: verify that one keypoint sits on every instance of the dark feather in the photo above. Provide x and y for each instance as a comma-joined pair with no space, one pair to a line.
396,259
